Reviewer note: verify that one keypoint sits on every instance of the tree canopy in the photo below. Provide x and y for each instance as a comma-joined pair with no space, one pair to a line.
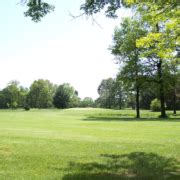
65,97
37,9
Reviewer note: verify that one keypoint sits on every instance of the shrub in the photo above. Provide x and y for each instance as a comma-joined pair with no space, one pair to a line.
27,107
155,105
14,105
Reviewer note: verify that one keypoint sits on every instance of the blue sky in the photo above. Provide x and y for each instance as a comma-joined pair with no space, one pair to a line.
58,48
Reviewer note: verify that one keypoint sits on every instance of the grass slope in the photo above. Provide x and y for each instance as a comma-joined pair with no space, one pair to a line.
88,144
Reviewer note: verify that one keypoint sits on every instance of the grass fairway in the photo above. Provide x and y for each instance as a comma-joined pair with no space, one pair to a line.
88,144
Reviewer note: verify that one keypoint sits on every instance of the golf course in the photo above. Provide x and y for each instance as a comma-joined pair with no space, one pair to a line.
88,143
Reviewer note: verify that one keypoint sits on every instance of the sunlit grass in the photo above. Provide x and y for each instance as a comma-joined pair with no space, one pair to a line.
88,144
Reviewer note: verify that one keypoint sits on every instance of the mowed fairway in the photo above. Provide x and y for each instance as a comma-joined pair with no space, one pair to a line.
88,144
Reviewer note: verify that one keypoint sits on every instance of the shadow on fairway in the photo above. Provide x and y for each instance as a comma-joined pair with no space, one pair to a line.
123,118
136,165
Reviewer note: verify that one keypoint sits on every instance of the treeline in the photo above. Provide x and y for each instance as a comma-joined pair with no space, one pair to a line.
41,94
119,93
113,94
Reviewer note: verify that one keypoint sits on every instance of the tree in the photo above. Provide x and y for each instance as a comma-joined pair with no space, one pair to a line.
12,96
126,52
41,94
87,102
105,91
119,93
111,94
172,86
148,94
37,9
160,41
65,97
91,7
155,13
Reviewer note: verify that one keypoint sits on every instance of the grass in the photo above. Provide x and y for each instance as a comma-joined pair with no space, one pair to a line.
85,144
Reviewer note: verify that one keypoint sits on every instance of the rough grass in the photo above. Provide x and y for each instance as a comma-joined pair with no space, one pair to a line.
84,144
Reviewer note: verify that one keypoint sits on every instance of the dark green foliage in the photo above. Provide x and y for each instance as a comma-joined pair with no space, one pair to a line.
3,100
148,93
41,94
12,96
111,94
118,94
105,91
91,7
37,9
65,97
26,107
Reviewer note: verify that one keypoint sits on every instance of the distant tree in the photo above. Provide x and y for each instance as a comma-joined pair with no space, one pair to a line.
4,100
41,94
172,85
65,97
87,102
74,100
105,91
119,94
148,93
111,94
12,96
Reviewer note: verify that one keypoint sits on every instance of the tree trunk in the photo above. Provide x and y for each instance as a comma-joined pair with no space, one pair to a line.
137,102
120,101
161,89
174,101
137,87
161,83
120,104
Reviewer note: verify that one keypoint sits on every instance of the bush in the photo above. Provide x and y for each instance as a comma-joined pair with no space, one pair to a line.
14,105
155,105
27,107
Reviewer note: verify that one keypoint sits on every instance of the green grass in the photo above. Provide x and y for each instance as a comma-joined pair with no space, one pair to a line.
88,144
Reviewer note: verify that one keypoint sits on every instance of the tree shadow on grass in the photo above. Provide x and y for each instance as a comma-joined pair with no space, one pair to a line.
133,166
124,118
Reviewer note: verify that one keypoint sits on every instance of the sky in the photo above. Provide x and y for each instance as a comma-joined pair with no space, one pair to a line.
59,48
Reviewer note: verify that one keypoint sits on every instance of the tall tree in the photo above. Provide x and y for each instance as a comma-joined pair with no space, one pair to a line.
160,41
41,94
126,51
105,91
65,97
